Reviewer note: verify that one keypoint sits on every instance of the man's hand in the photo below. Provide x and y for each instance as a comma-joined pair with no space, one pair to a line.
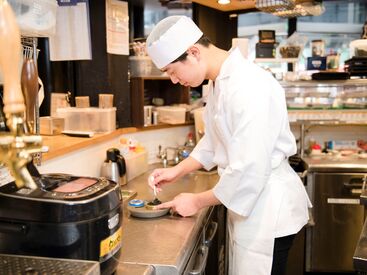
168,175
188,204
185,204
162,176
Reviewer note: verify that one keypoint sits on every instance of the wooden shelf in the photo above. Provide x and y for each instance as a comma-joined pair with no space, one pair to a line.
143,89
276,60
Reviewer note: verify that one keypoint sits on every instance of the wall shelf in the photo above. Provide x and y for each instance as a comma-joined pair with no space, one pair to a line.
276,60
143,89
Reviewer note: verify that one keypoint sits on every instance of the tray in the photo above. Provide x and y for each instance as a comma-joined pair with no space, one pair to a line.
143,212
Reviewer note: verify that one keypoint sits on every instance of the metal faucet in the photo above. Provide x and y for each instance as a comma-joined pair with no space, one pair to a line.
175,159
16,147
162,154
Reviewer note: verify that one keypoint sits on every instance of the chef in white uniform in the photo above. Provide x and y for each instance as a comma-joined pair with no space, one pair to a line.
247,135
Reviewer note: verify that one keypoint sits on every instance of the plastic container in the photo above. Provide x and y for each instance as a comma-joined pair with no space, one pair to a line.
142,66
171,114
51,125
92,119
136,164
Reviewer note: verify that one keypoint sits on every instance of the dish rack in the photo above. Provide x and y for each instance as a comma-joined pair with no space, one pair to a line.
29,45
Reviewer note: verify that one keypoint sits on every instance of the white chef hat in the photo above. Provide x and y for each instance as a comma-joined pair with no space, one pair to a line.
170,38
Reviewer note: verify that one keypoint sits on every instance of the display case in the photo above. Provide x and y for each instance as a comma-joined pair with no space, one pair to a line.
150,90
330,95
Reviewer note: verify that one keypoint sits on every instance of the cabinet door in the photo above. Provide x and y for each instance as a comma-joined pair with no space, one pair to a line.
338,221
144,89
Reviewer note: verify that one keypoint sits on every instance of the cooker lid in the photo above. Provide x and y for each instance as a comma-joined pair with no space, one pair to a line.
60,197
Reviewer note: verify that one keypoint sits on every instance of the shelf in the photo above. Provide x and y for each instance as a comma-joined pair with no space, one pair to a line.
143,89
163,76
276,60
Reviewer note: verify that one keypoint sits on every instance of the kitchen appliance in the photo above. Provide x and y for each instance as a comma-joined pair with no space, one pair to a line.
114,167
338,217
267,36
65,217
14,264
265,50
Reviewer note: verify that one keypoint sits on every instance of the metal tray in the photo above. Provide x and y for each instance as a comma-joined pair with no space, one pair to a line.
143,212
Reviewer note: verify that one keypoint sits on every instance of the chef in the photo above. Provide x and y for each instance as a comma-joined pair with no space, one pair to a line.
247,135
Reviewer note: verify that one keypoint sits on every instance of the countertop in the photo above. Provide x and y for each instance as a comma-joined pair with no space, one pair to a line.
165,242
133,269
338,164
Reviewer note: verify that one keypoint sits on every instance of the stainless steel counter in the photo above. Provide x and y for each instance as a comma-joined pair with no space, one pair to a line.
133,269
166,242
336,164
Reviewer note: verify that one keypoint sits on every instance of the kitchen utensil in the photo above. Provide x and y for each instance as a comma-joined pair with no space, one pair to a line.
29,84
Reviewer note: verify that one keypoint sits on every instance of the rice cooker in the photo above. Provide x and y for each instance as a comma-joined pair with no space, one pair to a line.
65,217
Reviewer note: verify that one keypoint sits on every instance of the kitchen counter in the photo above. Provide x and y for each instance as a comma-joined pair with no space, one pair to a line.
133,269
165,242
336,164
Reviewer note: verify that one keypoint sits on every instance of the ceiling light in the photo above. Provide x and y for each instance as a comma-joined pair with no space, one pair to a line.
224,2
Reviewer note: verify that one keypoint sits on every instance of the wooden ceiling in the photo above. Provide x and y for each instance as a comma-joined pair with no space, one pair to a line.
233,6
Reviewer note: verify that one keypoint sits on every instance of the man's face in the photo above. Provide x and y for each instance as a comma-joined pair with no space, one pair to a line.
189,72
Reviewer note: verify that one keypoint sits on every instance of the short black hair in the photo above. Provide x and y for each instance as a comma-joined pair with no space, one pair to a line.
203,40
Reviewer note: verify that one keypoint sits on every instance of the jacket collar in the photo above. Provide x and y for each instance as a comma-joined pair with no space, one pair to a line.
229,64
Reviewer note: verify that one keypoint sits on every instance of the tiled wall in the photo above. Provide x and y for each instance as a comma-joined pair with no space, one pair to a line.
87,161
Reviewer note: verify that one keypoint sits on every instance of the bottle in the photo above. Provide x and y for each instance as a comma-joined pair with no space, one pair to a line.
190,140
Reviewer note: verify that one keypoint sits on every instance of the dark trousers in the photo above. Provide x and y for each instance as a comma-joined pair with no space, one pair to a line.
280,255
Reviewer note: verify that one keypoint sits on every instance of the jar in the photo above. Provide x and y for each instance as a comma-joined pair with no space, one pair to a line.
318,47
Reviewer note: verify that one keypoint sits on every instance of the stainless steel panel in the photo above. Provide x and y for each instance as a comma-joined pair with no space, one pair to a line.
338,221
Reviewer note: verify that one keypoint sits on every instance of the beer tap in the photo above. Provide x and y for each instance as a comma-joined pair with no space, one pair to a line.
16,146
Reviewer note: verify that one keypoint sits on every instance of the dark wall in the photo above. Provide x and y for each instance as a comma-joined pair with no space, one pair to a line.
217,25
105,73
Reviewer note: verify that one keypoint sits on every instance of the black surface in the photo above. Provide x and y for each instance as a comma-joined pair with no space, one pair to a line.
330,76
217,25
16,205
265,50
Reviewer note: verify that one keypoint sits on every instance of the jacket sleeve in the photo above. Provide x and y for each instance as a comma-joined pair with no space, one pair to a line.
203,151
251,120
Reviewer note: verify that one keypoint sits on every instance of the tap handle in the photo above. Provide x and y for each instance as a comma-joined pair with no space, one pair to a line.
29,84
10,58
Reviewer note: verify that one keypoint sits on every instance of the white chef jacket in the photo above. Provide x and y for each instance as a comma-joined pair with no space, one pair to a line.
247,135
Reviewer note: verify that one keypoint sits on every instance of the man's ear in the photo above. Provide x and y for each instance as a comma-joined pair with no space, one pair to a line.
194,51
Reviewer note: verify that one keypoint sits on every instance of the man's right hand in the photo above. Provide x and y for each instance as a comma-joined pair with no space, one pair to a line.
162,176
